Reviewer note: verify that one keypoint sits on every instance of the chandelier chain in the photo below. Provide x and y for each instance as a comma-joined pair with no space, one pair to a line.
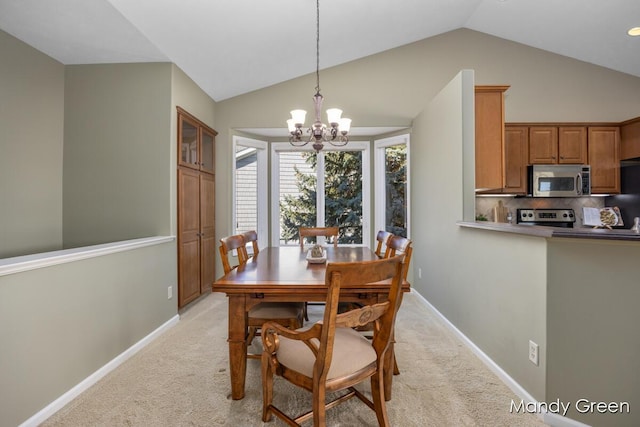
317,46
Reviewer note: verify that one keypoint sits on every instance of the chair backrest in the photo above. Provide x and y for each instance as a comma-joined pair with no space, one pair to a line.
399,244
383,313
318,231
382,237
228,244
251,237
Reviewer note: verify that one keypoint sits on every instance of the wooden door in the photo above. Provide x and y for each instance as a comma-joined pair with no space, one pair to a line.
543,145
604,158
516,146
572,145
207,232
189,252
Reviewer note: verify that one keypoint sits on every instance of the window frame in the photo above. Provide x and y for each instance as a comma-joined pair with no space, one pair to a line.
379,173
262,186
364,146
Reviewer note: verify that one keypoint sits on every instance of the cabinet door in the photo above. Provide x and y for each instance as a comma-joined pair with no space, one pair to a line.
630,139
207,151
604,158
489,137
572,145
189,251
543,145
516,148
207,232
188,136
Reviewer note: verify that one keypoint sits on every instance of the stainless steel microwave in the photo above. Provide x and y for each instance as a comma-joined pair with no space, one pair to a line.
559,180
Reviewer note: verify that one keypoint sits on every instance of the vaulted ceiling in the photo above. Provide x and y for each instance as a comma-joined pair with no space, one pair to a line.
231,47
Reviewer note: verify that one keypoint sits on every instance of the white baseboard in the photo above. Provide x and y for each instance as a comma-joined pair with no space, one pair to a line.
63,400
553,420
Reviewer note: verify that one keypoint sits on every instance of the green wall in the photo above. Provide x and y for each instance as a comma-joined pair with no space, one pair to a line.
60,324
31,136
117,147
88,156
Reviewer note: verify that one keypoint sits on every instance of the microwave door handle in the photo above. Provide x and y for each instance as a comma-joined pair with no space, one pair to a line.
579,184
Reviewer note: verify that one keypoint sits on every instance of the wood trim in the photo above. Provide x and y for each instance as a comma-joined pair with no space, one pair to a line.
192,117
496,88
563,124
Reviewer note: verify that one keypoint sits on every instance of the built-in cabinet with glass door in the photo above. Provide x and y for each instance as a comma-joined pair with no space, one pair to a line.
196,207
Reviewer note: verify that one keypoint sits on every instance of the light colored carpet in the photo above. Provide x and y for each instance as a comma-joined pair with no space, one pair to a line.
182,379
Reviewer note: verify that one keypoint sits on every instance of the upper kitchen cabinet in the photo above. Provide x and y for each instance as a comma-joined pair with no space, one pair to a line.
196,143
489,144
630,139
557,145
516,143
604,158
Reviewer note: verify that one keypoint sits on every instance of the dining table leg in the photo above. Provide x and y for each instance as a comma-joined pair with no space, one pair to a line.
237,345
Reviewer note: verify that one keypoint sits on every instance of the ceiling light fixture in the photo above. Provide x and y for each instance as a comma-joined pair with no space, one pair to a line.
319,133
635,31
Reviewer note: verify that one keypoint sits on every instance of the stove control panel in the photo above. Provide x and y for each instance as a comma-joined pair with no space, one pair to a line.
546,215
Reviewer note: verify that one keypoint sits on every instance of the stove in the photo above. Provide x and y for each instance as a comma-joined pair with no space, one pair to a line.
548,217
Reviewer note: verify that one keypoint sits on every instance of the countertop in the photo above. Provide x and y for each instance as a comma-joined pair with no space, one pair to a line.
542,231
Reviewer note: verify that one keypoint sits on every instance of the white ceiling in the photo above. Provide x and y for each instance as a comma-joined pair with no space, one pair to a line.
231,47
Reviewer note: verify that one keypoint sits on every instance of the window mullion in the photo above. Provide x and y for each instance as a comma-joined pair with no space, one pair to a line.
320,193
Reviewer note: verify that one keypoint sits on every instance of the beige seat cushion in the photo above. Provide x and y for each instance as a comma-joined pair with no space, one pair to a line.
276,310
351,352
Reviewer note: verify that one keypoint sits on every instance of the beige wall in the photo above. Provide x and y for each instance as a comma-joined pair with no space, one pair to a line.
391,88
31,135
593,318
468,275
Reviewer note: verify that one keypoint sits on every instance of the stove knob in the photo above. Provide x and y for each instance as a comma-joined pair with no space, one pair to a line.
564,215
570,214
530,215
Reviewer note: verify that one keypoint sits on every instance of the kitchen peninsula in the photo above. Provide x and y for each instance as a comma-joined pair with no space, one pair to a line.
541,231
587,284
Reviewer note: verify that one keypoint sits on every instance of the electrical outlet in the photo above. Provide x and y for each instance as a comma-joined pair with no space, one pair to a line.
419,273
170,292
533,352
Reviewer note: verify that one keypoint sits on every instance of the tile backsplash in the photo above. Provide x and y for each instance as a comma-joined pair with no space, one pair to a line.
485,205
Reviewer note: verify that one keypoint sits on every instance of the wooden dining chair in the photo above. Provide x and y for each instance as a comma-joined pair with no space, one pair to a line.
400,245
251,237
229,244
305,232
288,314
331,356
382,237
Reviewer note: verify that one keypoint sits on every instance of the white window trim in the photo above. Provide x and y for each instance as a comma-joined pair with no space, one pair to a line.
363,146
379,178
263,188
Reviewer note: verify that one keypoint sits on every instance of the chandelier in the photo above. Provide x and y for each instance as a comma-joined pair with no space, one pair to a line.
319,133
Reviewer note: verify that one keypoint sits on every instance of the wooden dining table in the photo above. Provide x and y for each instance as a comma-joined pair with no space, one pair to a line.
283,274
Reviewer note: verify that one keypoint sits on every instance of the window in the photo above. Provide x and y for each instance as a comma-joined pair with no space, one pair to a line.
342,174
392,185
250,187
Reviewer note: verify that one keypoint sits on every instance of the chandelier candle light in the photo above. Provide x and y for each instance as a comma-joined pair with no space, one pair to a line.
336,133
